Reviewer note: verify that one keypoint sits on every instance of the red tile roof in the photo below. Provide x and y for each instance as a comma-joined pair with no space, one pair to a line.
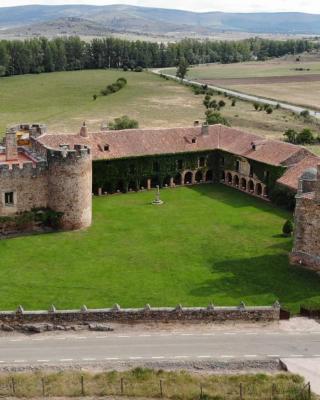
291,176
142,142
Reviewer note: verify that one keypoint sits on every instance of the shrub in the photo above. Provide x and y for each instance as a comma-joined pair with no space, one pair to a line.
114,87
123,122
221,103
233,103
95,97
305,114
287,228
138,69
125,68
256,106
305,137
213,118
269,110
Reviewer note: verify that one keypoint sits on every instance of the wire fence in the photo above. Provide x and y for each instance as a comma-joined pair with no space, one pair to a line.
175,388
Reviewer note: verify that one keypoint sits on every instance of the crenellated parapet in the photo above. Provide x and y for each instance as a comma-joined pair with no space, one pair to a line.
66,155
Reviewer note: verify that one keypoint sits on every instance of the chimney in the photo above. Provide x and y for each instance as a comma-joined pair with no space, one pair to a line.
84,130
205,129
11,145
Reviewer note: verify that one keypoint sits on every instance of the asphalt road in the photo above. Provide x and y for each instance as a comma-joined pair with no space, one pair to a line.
87,347
249,97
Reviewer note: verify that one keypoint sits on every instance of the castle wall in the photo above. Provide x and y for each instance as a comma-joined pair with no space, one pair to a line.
28,184
306,250
70,186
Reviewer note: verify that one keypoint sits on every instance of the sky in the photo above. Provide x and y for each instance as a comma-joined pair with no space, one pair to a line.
309,6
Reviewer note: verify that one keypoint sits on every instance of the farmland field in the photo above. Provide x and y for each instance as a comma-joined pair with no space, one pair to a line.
136,253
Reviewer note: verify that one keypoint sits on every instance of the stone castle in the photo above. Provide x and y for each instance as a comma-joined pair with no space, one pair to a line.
60,172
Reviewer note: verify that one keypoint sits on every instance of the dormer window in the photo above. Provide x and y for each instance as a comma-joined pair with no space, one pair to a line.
106,147
194,140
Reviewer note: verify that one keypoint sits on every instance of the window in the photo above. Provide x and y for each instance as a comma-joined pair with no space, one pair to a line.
251,171
238,166
180,164
156,166
202,162
8,198
194,140
106,147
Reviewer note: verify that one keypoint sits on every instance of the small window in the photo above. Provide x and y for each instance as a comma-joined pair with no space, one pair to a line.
106,147
202,162
9,198
194,140
238,166
156,166
180,164
251,171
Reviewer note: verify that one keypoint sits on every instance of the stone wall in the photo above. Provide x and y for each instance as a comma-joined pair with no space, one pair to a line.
306,250
146,314
29,185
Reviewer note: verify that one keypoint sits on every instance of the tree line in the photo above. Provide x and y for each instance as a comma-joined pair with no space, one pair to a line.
71,53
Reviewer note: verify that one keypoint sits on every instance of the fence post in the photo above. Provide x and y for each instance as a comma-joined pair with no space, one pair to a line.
122,386
241,391
161,389
82,385
13,385
309,391
201,392
43,387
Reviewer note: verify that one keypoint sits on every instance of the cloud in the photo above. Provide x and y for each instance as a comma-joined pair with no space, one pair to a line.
311,6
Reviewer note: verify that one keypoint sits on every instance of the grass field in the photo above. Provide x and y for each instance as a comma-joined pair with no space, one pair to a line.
277,67
64,99
206,244
145,384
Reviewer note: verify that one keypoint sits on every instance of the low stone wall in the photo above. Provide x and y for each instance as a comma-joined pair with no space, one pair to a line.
146,314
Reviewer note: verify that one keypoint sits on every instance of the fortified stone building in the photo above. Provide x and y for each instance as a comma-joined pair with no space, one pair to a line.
60,172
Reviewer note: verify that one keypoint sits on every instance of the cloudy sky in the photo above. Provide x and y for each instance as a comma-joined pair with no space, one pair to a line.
310,6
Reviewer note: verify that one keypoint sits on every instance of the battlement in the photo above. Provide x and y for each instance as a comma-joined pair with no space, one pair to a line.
67,154
15,170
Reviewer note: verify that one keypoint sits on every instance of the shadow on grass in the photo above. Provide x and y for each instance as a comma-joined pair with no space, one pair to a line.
271,276
235,198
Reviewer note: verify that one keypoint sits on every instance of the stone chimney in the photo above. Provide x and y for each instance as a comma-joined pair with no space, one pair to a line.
84,130
205,129
11,145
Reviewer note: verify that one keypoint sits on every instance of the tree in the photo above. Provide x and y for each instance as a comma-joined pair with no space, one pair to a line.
290,136
269,110
305,137
206,101
123,122
256,106
221,103
183,68
287,228
213,118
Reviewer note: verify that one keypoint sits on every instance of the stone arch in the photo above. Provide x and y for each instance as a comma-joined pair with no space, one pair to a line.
209,176
229,178
251,186
243,184
236,180
188,178
198,176
258,189
177,180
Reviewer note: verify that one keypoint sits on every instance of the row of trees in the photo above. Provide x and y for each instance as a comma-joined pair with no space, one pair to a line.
71,53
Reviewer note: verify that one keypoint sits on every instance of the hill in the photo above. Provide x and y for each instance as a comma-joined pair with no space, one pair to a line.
39,19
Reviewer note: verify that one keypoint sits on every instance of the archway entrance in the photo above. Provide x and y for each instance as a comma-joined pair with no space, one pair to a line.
223,176
236,181
188,178
198,177
251,186
177,179
243,184
209,176
259,189
229,178
166,181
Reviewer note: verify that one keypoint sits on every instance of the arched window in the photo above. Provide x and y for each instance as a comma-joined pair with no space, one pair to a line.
188,178
236,180
198,177
209,176
243,184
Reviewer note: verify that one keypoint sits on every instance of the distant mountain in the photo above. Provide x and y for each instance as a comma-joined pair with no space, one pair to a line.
92,20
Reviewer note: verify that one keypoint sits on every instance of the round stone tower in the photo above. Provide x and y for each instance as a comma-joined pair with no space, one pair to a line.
70,185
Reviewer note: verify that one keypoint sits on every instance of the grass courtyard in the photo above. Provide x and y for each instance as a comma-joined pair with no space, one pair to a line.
206,244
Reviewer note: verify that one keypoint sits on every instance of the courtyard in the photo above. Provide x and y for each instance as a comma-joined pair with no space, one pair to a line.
206,243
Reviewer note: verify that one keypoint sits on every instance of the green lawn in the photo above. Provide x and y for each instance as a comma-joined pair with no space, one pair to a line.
64,99
205,244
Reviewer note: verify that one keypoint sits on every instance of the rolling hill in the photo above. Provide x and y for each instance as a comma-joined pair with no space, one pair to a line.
70,19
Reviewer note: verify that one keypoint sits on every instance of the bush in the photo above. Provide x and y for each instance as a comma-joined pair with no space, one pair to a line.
256,106
221,103
305,137
233,103
287,228
114,87
213,118
123,122
138,69
269,110
305,114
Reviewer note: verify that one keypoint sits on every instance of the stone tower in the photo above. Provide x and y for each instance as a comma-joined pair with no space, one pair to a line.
306,249
70,185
